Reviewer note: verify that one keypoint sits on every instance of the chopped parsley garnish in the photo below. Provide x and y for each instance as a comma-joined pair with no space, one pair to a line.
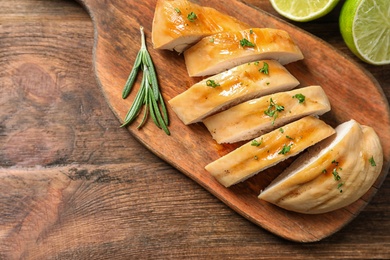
177,10
256,143
300,97
245,43
281,130
273,110
289,137
211,39
256,63
250,31
339,186
372,161
336,175
192,17
264,69
212,83
285,149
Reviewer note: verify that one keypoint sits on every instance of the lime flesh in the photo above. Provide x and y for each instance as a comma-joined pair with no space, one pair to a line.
303,10
365,27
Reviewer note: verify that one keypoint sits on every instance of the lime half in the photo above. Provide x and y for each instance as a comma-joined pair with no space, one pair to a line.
303,10
365,27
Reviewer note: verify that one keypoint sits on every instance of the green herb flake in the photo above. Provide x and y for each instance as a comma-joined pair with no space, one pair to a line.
256,158
256,143
372,161
300,97
336,175
285,149
212,83
211,39
278,108
251,31
289,137
245,43
281,130
339,186
177,10
192,17
264,69
273,109
256,63
324,171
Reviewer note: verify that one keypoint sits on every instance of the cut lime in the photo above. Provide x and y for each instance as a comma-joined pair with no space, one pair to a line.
303,10
365,27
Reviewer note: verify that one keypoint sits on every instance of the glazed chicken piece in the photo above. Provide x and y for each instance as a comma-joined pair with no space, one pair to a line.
231,87
258,116
268,150
180,23
332,174
222,51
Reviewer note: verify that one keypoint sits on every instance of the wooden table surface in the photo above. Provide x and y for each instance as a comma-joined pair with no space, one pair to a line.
73,185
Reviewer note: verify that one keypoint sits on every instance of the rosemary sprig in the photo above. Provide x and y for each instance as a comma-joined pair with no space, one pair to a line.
148,95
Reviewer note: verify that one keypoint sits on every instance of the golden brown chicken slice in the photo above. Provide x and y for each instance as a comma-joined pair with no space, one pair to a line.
332,174
180,23
258,116
268,150
229,88
222,51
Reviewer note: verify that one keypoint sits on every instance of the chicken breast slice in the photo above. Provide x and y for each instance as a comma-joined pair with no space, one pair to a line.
174,28
222,51
268,150
330,175
229,88
258,116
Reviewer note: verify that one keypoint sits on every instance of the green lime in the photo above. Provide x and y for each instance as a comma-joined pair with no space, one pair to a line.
365,27
303,10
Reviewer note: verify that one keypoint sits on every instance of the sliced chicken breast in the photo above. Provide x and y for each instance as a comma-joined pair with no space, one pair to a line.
222,51
258,116
268,150
229,88
331,174
180,23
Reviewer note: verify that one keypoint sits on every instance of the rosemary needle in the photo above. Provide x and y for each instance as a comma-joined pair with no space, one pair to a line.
148,95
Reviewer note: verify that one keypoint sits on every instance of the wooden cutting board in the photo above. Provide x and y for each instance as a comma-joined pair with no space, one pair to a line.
353,93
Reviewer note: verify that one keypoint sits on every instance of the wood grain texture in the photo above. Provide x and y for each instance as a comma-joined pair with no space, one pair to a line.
76,186
190,148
